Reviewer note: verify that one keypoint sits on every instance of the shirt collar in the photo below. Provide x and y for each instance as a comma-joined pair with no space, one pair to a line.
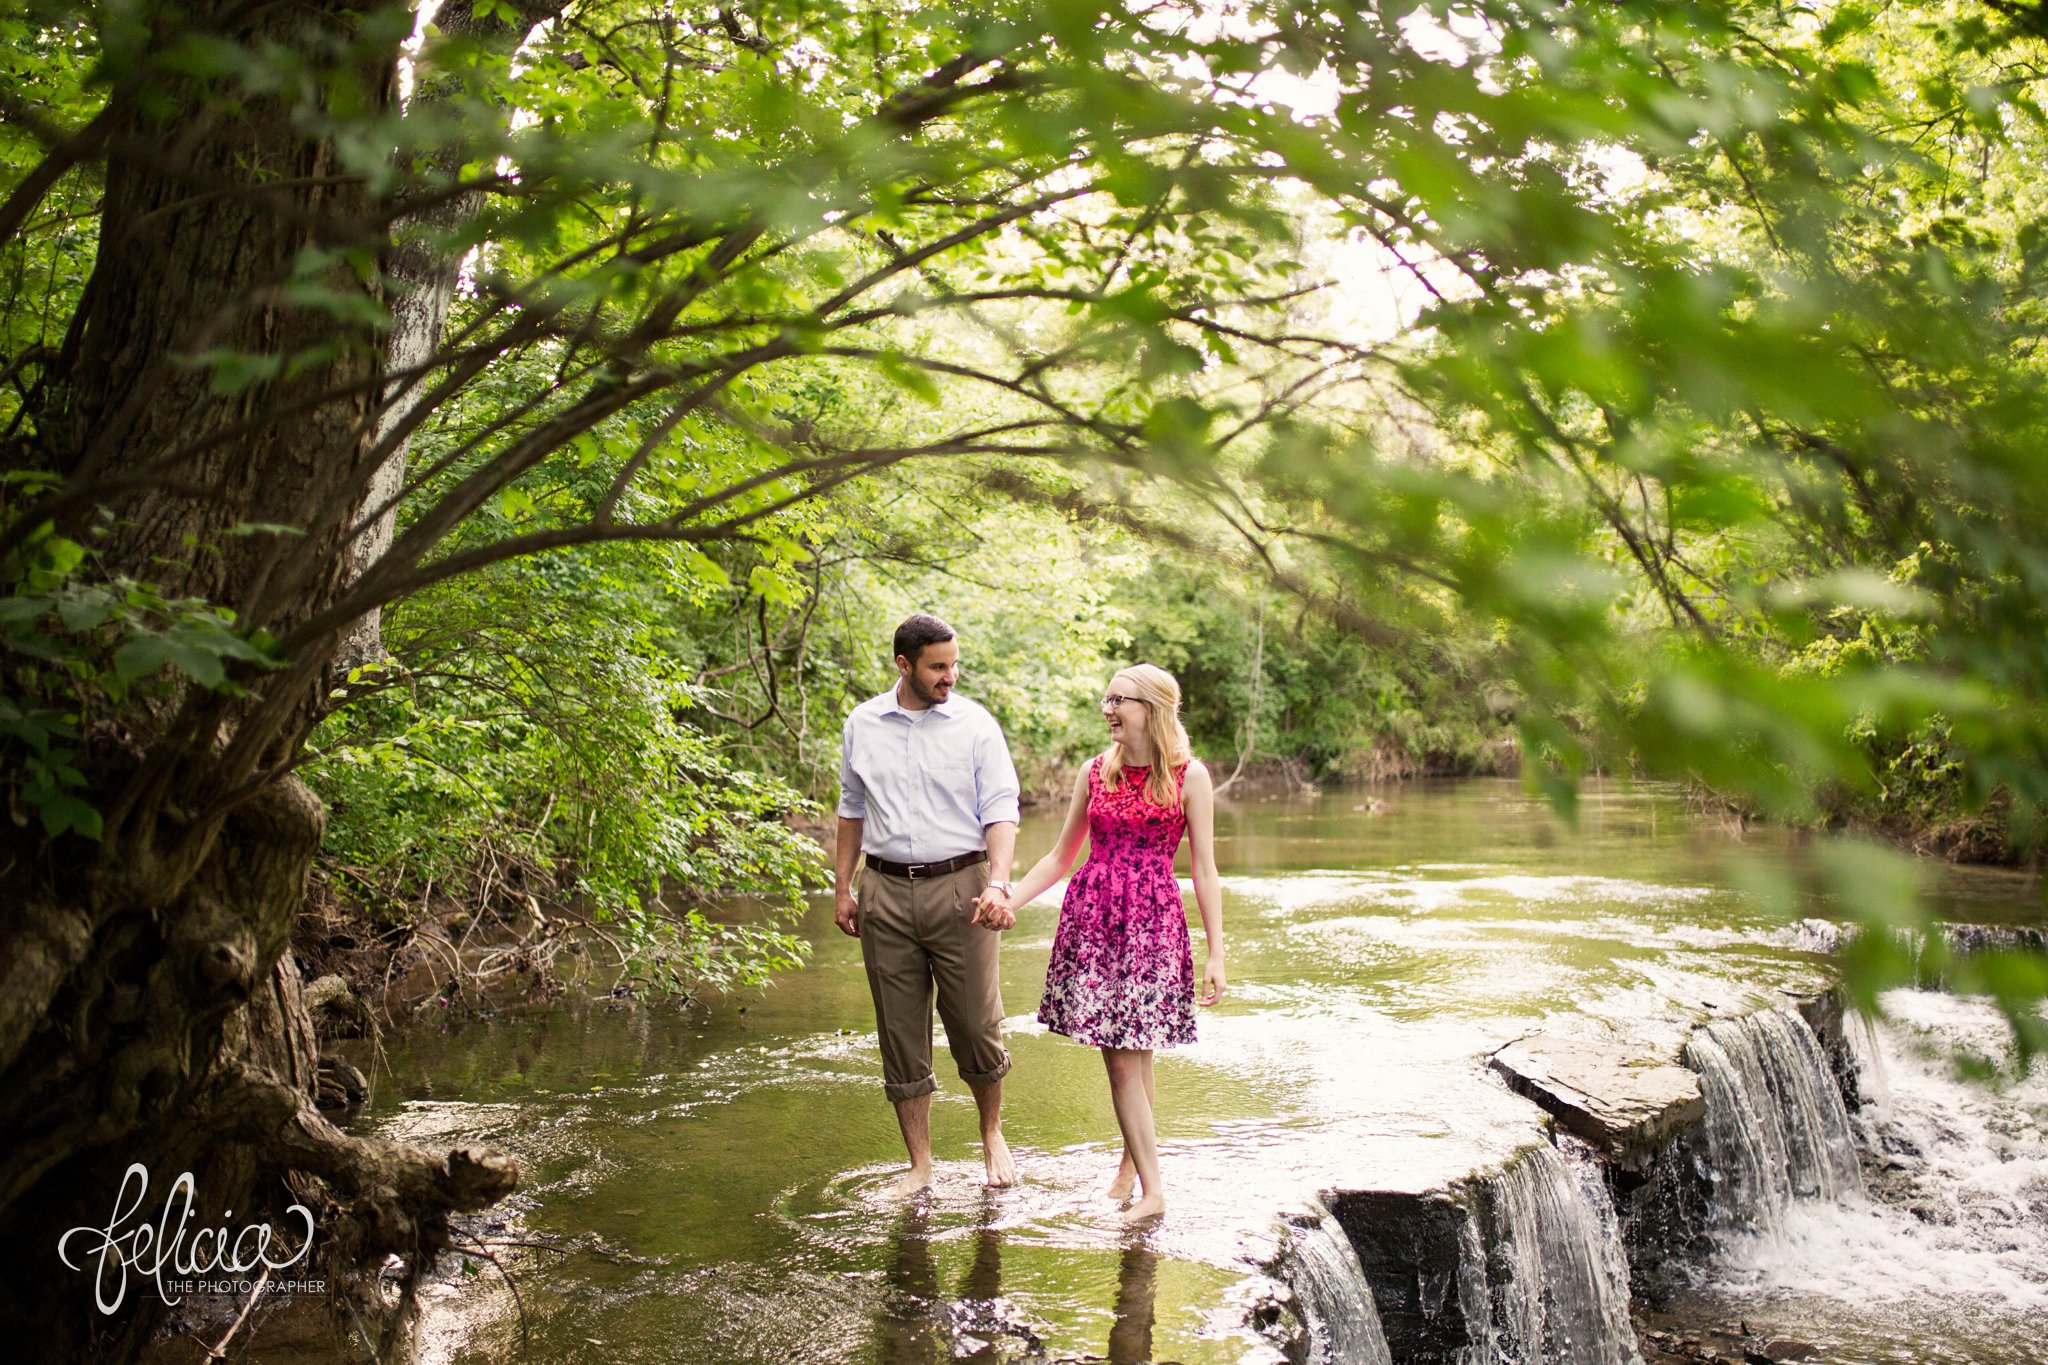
944,708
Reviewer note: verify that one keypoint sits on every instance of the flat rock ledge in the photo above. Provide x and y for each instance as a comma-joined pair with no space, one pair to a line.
1612,1096
1636,1104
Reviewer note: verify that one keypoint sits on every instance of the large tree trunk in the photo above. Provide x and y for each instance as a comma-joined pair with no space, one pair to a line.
148,1009
423,271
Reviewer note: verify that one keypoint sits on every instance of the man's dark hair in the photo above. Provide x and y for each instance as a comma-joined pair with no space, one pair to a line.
916,632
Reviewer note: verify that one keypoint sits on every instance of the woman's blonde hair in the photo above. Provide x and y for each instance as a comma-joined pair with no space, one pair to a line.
1154,686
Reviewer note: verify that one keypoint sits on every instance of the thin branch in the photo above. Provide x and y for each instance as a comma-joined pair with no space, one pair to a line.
74,150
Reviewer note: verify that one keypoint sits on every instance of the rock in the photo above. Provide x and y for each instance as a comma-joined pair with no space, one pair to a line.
337,1011
1979,938
1416,1234
1818,936
1625,1103
340,1085
1824,1013
1408,1246
1414,1227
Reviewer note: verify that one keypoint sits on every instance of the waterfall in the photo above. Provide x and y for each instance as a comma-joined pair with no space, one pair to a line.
1588,1169
1337,1306
1475,1301
1776,1126
1935,1245
1553,1287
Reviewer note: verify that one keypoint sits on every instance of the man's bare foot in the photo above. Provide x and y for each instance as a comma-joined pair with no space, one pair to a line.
995,1153
915,1179
1146,1209
1126,1180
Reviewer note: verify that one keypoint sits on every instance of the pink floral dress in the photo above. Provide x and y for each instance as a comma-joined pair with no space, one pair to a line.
1123,971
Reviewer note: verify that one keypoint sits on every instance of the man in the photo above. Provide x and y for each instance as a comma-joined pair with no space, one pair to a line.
928,802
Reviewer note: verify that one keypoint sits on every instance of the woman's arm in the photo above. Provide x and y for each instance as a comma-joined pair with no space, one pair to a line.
1055,864
1198,799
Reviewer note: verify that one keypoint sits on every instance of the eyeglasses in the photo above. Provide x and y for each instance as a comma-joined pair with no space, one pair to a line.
1113,700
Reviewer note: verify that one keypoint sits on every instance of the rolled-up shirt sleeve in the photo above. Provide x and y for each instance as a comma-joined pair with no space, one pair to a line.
995,776
853,793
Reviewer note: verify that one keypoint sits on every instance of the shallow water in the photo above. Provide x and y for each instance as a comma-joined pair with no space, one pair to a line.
718,1183
1944,1256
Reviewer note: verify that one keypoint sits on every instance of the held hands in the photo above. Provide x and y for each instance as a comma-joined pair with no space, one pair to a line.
846,914
992,908
1213,984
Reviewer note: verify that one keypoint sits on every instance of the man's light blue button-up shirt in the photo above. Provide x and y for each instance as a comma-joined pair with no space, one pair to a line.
926,786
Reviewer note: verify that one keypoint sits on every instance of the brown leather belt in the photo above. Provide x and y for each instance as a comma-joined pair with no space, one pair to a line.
915,871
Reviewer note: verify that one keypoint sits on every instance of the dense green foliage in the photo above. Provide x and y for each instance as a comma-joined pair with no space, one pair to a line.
1664,376
529,734
638,720
1739,333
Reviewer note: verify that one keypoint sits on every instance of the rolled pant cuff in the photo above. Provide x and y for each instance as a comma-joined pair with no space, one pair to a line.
978,1079
899,1091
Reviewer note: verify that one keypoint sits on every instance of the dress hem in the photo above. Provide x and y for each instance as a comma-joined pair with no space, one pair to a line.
1121,1047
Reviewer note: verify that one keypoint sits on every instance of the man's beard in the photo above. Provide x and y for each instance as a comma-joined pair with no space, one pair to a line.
929,696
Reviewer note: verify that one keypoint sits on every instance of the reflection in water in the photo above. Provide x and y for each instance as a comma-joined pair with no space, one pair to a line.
921,1325
906,1332
1137,1288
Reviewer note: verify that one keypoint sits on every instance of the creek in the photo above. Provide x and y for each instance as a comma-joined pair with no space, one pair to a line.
717,1180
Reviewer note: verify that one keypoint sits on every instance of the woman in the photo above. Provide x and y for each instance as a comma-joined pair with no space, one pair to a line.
1122,976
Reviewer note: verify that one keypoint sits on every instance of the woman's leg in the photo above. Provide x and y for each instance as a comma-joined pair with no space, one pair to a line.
1128,1069
1126,1169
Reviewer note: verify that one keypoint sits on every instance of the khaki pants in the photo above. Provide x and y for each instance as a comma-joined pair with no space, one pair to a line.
917,934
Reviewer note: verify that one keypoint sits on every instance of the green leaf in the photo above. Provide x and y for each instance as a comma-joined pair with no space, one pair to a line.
913,379
58,556
67,814
236,371
83,613
141,657
15,610
197,662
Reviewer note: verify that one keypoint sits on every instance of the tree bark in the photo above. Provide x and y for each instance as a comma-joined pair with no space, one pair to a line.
424,272
149,1011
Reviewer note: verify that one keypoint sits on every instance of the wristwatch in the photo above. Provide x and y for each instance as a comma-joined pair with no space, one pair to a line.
1004,887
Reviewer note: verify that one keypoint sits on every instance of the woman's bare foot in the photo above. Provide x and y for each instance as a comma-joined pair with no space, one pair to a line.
1126,1179
1146,1209
915,1179
995,1154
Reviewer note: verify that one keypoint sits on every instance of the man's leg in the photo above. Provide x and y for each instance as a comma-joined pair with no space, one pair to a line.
914,1117
995,1153
900,982
964,972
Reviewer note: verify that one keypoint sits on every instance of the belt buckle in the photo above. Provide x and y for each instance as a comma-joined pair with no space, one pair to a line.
915,871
